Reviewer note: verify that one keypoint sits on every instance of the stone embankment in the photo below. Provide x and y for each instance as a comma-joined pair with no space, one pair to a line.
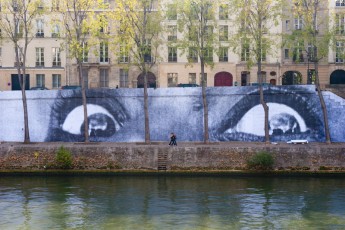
161,157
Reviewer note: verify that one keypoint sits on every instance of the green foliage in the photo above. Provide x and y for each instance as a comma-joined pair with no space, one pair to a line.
63,158
261,161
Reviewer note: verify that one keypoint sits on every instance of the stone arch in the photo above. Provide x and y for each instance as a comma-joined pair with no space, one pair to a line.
223,79
292,78
337,77
151,80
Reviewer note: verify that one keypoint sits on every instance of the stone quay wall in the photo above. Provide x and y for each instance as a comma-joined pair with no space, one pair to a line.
185,157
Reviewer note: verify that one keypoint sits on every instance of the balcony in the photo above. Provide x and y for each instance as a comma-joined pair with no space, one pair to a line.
96,61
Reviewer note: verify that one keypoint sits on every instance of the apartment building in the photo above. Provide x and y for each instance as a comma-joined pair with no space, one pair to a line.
49,63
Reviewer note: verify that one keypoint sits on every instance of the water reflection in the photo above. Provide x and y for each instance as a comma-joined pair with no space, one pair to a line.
171,203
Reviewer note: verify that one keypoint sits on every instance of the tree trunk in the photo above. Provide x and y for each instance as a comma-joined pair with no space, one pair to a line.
22,83
25,109
204,101
263,103
146,110
322,102
83,93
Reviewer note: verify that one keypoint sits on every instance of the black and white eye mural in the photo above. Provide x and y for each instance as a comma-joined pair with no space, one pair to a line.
108,116
117,115
294,113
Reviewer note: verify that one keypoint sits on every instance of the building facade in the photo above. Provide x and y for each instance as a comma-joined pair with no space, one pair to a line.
49,64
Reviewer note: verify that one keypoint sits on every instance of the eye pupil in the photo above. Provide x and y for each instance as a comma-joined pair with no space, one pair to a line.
100,125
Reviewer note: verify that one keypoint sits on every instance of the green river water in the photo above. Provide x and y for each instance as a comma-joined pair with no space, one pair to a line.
138,202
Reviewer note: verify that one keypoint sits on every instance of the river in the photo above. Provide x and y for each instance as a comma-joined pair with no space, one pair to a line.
150,202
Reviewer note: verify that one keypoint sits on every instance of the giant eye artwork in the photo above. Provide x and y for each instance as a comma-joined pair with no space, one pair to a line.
294,113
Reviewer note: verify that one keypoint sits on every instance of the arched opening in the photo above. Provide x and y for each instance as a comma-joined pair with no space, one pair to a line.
292,78
151,80
337,77
273,81
223,79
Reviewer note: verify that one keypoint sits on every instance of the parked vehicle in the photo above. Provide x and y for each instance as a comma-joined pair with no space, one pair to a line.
71,87
187,85
39,88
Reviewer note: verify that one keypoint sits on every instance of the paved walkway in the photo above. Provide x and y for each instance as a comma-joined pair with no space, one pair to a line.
179,144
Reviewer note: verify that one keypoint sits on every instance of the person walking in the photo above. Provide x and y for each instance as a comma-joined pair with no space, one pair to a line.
172,139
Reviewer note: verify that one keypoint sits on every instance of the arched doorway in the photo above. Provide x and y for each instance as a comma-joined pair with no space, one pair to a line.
292,78
151,80
273,81
337,77
223,79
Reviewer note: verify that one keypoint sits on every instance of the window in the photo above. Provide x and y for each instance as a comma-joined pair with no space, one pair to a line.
339,52
147,51
287,25
40,57
40,5
205,79
208,55
223,12
298,23
193,34
55,5
172,79
104,78
172,54
286,54
297,55
123,78
172,33
56,56
339,3
223,33
40,80
311,52
56,31
104,28
340,23
15,5
192,55
245,52
223,54
56,81
85,52
192,78
172,12
123,55
39,28
208,32
103,52
18,27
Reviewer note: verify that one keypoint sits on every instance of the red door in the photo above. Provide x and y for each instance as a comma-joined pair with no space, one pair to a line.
223,79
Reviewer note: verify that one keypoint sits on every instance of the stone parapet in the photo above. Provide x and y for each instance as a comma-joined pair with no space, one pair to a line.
185,156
